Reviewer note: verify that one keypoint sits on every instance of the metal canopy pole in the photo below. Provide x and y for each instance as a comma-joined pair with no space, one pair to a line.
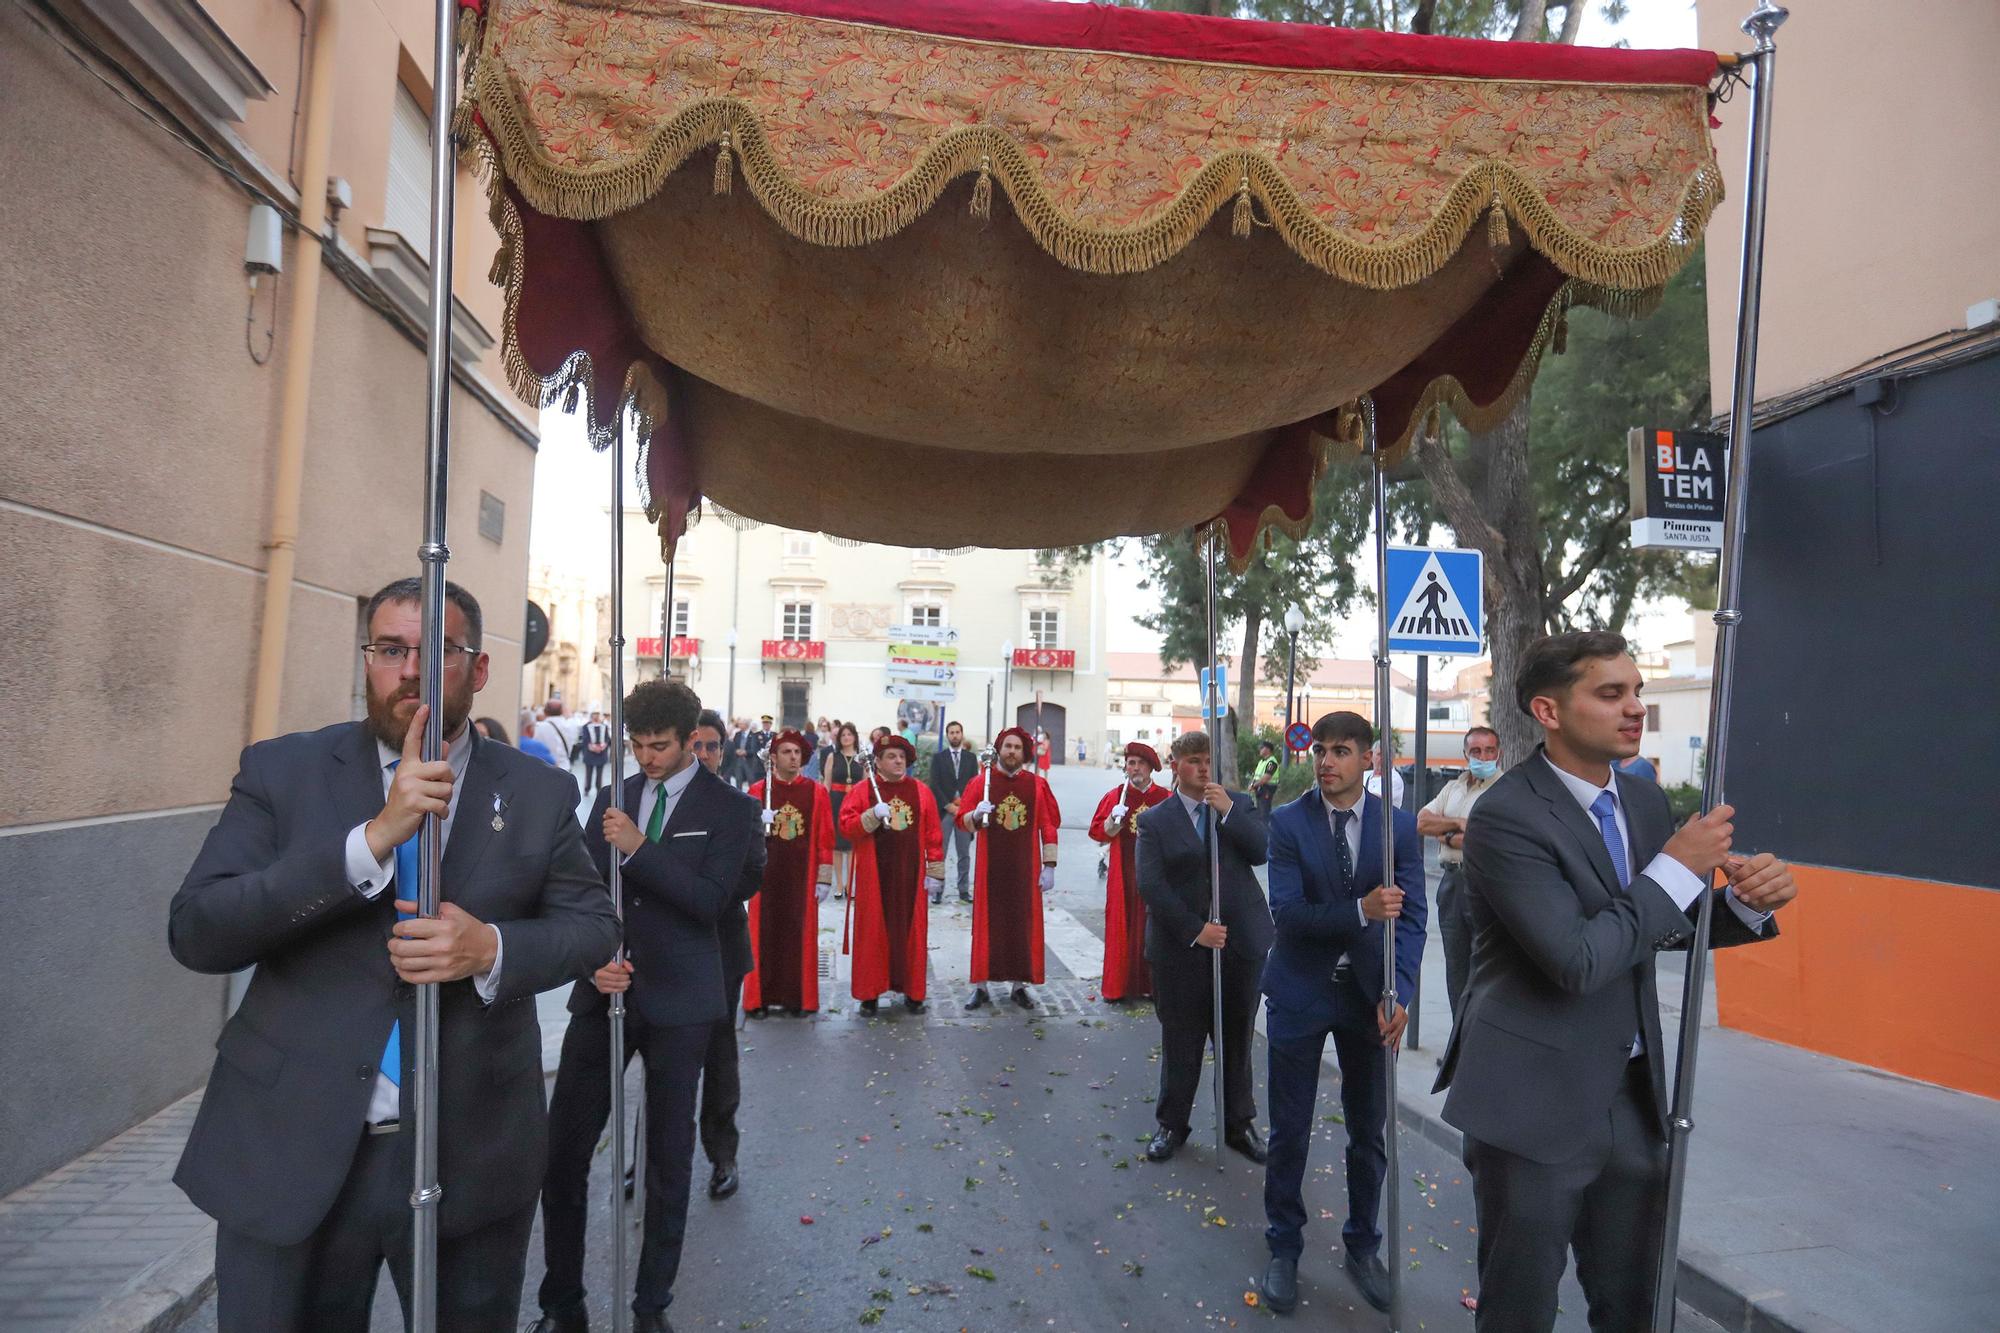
1386,802
1212,701
1762,25
435,554
621,1316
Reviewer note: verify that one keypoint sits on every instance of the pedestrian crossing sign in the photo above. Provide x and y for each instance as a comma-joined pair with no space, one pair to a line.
1434,597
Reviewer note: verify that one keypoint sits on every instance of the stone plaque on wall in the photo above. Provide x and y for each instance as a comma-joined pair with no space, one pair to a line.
860,620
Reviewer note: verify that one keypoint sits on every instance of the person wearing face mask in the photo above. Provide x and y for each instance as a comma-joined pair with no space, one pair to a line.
1444,819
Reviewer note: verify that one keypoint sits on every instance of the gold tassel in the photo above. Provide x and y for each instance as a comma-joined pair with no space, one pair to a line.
1240,220
1496,222
724,169
503,264
982,189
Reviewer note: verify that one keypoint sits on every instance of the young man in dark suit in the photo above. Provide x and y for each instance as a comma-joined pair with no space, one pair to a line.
1174,881
952,767
1575,878
1324,979
302,1151
685,839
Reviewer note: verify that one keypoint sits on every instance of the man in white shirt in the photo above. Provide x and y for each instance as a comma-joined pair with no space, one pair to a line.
1374,784
1575,877
1444,819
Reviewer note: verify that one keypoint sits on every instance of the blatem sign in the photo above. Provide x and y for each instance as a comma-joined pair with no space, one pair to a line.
1678,478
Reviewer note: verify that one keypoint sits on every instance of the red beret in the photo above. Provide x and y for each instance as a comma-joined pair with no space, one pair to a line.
1135,750
792,738
895,742
1027,741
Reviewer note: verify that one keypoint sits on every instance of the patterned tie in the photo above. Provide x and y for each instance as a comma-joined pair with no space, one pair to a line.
406,879
658,822
1340,818
1605,807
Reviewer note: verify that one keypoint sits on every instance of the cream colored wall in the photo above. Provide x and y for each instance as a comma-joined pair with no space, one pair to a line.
1884,221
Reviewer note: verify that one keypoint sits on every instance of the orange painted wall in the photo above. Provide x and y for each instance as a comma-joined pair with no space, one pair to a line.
1896,973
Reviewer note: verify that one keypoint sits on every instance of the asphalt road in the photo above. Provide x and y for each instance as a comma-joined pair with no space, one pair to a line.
952,1171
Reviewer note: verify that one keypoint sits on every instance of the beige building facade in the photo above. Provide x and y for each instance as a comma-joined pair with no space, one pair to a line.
812,621
140,484
1146,702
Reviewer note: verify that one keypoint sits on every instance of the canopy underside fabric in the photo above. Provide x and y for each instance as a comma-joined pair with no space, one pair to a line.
866,325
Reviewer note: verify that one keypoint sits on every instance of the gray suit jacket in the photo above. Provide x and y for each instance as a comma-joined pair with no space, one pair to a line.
1173,881
296,1064
1562,963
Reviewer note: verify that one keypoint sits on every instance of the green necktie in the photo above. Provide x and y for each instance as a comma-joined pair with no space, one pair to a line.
659,819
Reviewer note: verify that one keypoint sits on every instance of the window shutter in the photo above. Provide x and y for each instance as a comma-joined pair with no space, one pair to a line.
407,211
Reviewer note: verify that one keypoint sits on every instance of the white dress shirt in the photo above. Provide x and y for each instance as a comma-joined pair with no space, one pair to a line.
650,796
370,878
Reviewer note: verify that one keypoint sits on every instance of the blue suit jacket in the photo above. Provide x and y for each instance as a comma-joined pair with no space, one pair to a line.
1317,923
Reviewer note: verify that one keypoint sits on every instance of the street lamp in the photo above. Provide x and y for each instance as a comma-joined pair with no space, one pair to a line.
1006,679
730,639
1295,620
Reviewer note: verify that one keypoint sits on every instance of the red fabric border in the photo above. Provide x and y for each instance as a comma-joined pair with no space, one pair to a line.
1101,27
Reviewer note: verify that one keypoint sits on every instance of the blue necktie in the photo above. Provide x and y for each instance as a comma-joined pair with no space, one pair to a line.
1201,824
1340,818
406,883
1605,807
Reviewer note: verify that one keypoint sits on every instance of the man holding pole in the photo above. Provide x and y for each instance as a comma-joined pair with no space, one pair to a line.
1575,878
1174,881
784,918
898,847
1329,900
1116,822
301,1151
685,839
1018,822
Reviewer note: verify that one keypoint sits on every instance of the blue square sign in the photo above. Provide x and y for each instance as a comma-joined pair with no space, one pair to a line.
1436,600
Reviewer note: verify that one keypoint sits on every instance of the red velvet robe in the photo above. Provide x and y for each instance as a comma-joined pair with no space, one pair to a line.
891,920
1125,971
784,916
1007,897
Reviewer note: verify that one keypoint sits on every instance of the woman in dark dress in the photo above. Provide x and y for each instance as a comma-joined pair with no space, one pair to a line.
841,772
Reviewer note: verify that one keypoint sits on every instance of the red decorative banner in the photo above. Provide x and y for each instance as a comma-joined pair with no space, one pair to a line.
1046,659
649,647
794,650
684,646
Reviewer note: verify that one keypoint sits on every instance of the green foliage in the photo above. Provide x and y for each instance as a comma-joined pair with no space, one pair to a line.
1684,799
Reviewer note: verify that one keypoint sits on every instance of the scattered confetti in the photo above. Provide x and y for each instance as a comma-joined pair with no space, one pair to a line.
1250,1299
983,1274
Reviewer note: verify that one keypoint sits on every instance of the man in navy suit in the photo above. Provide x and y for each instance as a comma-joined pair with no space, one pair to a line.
1324,978
685,839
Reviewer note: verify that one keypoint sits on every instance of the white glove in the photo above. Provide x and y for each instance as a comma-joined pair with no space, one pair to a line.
1118,813
983,808
880,810
770,818
1048,878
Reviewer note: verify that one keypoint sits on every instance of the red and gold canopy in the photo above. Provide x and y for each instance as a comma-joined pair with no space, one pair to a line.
841,326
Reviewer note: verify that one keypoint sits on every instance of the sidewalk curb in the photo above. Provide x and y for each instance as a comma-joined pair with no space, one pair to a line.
161,1296
1707,1283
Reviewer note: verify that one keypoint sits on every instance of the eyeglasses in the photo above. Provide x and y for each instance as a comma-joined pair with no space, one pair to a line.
395,654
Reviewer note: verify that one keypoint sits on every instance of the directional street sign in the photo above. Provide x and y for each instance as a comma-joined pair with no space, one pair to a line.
1299,737
923,634
1435,600
930,694
920,652
915,672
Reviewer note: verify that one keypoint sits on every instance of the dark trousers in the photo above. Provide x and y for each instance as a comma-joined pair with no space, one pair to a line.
578,1111
1265,794
1364,1100
1608,1201
1184,996
326,1283
958,842
1455,929
593,770
721,1086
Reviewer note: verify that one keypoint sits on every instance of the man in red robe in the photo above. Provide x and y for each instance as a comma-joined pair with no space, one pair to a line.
892,820
784,917
1126,975
1018,821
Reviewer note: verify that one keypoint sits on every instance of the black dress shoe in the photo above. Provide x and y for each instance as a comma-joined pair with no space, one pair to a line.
1166,1142
914,1006
576,1322
1281,1284
722,1181
758,1012
1023,998
1249,1142
868,1007
979,999
651,1321
964,896
1371,1279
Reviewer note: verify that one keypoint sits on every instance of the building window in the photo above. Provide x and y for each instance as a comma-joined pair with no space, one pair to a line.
928,616
1652,717
796,621
683,618
798,545
1440,713
1145,708
407,209
1115,707
1044,627
1111,739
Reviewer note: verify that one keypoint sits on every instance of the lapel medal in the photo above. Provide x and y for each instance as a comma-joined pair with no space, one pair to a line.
498,822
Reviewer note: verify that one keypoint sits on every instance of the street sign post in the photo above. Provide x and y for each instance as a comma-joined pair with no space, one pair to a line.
1436,597
923,652
1221,694
1298,737
910,671
920,693
923,634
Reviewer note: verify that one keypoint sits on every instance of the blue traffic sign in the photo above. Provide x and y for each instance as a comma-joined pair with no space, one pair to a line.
1299,737
1221,692
1436,600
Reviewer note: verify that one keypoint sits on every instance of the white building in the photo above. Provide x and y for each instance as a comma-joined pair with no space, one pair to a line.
798,625
1677,706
